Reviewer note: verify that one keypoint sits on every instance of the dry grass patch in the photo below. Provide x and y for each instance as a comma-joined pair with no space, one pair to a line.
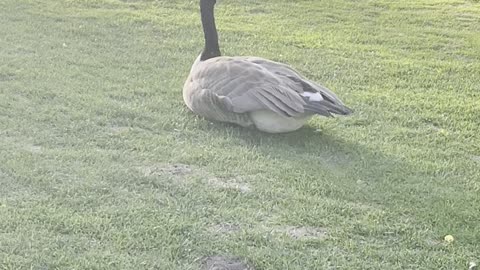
225,263
183,170
161,169
226,183
303,233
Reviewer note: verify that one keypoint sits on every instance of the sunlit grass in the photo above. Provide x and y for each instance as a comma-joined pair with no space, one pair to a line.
103,167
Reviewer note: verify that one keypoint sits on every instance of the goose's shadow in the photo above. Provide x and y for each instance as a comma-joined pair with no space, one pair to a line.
308,140
323,149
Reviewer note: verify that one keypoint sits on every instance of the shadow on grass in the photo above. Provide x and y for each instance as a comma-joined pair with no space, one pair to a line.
409,194
365,173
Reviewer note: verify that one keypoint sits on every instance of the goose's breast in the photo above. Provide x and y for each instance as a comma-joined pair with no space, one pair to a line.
271,122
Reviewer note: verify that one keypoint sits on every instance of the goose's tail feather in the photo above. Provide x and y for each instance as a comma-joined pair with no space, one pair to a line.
326,108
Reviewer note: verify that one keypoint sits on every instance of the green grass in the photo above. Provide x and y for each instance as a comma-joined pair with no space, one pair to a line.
92,125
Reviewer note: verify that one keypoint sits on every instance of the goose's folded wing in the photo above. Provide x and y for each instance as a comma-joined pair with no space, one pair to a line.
307,85
245,86
272,97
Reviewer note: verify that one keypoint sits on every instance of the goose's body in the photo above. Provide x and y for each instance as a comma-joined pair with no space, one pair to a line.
252,91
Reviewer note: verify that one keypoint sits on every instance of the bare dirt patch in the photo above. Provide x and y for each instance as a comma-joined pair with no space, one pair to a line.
225,263
36,149
232,183
7,77
117,130
304,233
433,242
176,169
475,158
225,228
183,171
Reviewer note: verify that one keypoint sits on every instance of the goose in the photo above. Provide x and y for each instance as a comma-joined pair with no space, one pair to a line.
252,91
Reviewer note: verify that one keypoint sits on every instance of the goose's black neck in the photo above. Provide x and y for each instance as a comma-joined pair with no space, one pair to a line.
212,49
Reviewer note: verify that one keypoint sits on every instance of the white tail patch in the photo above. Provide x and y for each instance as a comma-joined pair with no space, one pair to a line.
313,96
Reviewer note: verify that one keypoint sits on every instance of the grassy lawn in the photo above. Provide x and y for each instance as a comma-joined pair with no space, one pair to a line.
103,167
